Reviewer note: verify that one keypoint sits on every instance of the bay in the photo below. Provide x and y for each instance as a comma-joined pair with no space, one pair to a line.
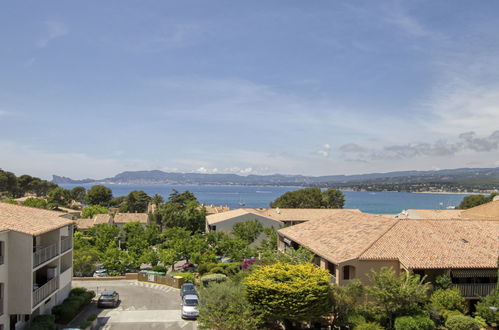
261,196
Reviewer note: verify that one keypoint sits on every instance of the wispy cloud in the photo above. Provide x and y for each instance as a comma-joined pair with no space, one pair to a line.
53,30
466,142
325,150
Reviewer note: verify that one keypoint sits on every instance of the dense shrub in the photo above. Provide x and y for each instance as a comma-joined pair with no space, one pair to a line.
213,278
92,317
188,277
369,326
40,203
443,282
159,269
446,314
448,299
483,308
414,323
85,324
462,322
226,268
78,298
43,322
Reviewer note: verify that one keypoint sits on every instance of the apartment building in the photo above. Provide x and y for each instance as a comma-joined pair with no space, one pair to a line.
36,252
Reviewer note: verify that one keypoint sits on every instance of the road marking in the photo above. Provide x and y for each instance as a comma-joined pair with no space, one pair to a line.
144,316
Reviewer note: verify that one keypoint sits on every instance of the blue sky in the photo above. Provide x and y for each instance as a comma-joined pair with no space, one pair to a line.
93,88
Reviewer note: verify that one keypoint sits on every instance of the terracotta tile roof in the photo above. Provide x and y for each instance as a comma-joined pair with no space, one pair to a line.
213,209
430,214
122,218
439,244
280,214
97,219
341,237
485,211
30,220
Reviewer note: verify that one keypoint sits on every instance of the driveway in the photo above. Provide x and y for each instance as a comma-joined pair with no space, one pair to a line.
143,306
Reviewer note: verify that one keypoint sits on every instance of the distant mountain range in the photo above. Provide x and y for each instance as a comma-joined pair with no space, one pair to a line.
461,175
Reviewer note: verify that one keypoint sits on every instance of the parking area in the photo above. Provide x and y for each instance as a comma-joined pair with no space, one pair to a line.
143,306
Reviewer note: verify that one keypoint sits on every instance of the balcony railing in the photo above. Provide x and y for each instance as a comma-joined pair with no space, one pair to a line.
43,254
470,290
45,290
1,260
65,244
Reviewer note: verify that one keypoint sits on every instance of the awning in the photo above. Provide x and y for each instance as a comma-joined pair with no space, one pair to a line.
460,273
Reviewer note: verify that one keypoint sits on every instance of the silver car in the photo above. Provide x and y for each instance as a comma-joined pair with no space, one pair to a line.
190,307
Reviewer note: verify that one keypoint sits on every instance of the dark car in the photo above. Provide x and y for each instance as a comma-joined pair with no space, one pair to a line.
188,267
108,298
188,288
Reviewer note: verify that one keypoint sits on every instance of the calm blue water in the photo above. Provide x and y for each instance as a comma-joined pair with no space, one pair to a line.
252,196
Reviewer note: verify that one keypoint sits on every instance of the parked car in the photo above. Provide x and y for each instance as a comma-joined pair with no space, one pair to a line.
187,267
188,288
100,273
190,307
108,298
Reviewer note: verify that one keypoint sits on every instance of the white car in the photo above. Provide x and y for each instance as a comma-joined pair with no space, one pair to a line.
190,307
100,273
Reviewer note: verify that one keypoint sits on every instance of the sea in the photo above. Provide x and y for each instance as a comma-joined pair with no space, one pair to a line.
261,196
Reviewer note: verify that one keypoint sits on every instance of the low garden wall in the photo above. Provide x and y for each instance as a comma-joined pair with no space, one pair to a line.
173,281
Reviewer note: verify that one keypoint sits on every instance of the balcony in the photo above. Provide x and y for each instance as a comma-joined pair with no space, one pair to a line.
45,290
65,243
45,253
472,290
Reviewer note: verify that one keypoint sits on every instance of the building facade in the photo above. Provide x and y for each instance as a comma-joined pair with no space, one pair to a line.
36,253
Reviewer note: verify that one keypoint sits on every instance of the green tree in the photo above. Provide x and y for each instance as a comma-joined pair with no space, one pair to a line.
8,183
333,199
475,200
59,197
90,211
99,195
135,202
85,261
150,256
40,203
247,231
310,198
289,292
223,306
182,210
134,239
78,194
102,235
167,257
157,199
394,295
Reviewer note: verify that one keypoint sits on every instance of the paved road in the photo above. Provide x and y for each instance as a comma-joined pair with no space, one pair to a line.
143,306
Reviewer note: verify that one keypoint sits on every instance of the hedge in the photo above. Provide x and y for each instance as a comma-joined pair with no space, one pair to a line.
78,298
217,278
43,322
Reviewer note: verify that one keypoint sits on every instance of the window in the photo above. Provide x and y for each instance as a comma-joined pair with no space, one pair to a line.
348,272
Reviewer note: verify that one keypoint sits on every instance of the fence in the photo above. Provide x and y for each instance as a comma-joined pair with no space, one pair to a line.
173,281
